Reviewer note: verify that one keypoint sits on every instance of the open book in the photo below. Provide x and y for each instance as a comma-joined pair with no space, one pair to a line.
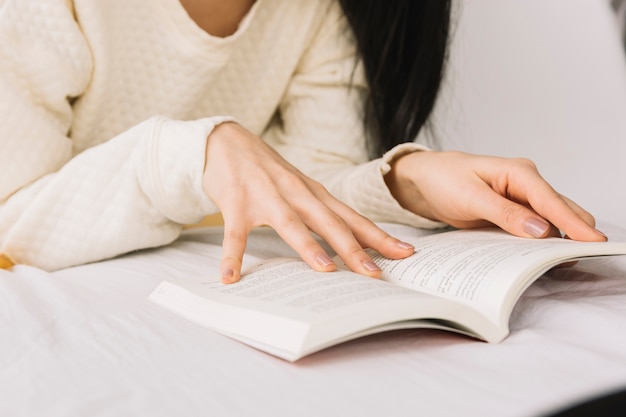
466,281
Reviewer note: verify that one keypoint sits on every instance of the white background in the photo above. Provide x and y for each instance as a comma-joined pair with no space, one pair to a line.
546,80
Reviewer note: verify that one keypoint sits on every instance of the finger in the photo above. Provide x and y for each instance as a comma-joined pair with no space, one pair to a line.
304,214
334,230
524,221
509,215
233,249
292,229
522,183
581,212
369,235
564,214
585,215
539,205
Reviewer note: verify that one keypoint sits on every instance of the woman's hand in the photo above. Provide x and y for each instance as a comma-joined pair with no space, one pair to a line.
252,186
468,191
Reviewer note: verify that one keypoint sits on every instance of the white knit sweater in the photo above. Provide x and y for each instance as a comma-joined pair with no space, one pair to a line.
105,107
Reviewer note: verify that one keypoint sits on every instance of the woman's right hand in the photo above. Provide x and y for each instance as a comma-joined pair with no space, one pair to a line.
471,191
253,185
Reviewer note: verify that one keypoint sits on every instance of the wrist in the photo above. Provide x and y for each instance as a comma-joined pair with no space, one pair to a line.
403,181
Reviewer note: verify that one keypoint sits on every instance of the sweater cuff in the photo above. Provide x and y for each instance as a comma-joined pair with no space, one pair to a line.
172,175
387,208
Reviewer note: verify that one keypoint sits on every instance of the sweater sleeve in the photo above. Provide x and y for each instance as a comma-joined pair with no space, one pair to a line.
56,209
319,127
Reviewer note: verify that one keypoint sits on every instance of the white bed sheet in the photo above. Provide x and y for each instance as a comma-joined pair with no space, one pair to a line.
86,342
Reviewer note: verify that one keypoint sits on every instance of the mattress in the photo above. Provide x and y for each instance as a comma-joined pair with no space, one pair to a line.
85,341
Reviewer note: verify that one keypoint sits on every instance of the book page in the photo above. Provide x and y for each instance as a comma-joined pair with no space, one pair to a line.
452,265
293,287
283,306
485,268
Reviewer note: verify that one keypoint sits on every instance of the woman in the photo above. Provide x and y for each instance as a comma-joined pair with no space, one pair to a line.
124,120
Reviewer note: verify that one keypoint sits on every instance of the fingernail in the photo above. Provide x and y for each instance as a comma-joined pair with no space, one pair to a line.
405,246
371,266
324,260
536,227
227,275
602,234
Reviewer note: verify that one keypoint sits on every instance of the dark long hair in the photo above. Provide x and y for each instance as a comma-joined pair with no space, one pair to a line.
403,45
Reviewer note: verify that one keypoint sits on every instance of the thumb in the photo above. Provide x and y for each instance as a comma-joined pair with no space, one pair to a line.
513,217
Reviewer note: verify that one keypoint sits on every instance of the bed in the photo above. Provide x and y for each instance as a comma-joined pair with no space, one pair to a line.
85,341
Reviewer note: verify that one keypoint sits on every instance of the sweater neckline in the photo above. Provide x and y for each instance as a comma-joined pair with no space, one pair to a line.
173,14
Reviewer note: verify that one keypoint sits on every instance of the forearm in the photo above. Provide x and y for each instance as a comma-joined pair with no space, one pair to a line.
132,192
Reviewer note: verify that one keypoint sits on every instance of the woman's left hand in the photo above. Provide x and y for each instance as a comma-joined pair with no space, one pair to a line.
466,191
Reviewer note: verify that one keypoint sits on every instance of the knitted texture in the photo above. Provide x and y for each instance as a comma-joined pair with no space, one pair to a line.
106,107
